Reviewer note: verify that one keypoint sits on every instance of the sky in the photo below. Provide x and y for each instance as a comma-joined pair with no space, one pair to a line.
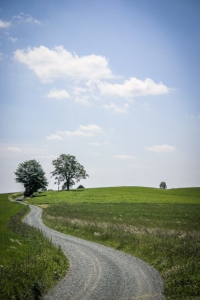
113,82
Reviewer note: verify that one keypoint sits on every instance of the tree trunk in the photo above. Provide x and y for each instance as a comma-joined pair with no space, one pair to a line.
68,181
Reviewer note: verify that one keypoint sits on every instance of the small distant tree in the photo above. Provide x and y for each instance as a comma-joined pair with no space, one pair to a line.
31,175
163,185
68,170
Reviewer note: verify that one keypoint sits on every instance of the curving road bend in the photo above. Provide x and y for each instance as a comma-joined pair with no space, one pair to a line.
97,272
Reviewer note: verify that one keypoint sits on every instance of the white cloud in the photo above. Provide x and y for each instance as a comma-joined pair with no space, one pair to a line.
63,94
60,63
4,24
13,40
13,149
117,108
58,94
26,18
132,88
99,144
54,137
82,131
96,153
86,74
24,151
193,116
190,116
75,133
79,90
124,156
82,100
91,128
161,148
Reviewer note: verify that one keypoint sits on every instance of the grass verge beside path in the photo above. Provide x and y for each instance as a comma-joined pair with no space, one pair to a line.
29,264
160,227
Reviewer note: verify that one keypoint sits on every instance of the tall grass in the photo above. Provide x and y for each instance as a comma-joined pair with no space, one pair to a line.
29,264
160,227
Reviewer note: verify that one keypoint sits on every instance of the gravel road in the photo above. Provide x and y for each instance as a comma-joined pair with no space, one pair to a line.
97,272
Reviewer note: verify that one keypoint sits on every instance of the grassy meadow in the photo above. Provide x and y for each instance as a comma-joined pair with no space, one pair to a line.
159,226
29,264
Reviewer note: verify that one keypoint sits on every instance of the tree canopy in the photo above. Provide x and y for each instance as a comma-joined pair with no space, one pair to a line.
31,175
68,170
163,185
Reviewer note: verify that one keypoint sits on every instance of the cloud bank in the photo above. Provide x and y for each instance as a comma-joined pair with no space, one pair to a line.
48,64
133,88
88,77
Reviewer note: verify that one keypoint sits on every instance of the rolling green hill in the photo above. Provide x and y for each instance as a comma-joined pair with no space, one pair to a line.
121,195
161,227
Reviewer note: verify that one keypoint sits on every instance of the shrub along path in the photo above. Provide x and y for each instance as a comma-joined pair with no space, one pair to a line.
99,272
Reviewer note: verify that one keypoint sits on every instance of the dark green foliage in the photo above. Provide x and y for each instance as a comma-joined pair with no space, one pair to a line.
32,176
67,169
163,185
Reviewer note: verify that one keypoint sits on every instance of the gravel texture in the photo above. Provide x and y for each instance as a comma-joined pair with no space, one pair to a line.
97,272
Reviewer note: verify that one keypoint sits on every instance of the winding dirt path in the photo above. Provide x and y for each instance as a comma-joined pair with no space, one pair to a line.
97,272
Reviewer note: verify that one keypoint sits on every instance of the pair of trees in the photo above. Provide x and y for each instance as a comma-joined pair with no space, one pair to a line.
66,169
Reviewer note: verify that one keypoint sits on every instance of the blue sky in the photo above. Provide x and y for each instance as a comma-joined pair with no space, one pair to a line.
113,82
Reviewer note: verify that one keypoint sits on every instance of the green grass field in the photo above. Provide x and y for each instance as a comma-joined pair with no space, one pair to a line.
158,226
122,195
29,264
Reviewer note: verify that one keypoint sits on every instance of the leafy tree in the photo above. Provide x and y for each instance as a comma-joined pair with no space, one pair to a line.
67,169
163,185
32,176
